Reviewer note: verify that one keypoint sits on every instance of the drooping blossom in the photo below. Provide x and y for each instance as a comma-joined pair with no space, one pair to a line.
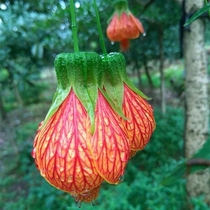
97,121
61,151
71,152
139,123
123,26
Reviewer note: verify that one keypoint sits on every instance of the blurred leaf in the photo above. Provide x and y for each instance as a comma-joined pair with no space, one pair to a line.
199,161
204,151
37,50
3,75
198,13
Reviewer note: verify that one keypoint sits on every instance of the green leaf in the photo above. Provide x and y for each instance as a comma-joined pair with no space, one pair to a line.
198,13
204,152
194,164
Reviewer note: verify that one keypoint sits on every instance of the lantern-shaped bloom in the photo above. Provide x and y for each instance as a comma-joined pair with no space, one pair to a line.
139,123
80,143
123,25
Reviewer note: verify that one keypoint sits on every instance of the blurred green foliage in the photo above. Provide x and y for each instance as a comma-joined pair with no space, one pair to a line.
174,79
32,33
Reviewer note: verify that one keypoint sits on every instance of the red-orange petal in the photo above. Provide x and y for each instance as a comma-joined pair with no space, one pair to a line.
112,29
109,145
128,28
138,25
61,151
140,124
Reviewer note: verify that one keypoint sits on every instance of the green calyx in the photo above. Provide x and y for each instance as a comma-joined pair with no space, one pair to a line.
77,71
120,3
86,73
113,79
121,6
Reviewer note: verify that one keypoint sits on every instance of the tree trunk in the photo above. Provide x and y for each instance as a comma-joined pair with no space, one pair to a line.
161,68
197,110
146,68
139,77
17,95
3,113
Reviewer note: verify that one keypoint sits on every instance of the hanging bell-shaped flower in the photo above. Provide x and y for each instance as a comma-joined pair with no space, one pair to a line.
61,150
80,143
123,25
138,121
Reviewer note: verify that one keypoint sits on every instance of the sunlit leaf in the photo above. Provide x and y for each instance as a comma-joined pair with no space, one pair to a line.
198,14
199,161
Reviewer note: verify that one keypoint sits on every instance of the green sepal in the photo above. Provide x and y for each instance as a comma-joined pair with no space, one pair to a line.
63,85
77,71
111,82
128,82
125,78
120,7
118,111
85,85
58,98
63,78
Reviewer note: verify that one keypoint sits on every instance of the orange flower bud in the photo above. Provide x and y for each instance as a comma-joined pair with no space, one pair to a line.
124,26
137,118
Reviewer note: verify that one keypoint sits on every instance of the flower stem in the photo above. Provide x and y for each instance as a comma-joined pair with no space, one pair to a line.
74,26
101,38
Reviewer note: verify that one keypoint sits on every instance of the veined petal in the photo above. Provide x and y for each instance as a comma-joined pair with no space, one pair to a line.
33,153
113,29
140,124
109,145
127,27
137,23
61,151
